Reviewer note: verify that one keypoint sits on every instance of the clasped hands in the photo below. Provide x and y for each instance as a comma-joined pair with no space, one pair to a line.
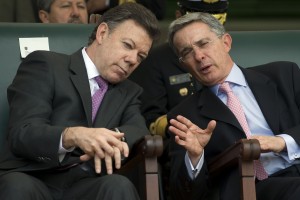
99,144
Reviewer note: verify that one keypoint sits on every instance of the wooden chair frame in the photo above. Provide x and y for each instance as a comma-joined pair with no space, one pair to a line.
144,157
243,154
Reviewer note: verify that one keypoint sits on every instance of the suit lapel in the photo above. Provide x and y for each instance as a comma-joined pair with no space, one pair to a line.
212,107
266,96
264,91
79,78
109,105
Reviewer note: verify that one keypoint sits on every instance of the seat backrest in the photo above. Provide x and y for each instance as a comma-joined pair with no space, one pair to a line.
250,48
64,38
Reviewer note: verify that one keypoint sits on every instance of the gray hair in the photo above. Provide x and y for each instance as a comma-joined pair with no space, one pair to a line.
44,5
178,24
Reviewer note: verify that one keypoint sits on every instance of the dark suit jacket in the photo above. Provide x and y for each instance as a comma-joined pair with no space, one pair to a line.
276,87
164,81
51,92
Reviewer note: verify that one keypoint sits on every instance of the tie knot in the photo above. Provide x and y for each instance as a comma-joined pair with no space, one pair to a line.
224,87
101,82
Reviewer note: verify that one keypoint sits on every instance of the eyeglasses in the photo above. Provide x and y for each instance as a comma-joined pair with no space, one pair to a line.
187,54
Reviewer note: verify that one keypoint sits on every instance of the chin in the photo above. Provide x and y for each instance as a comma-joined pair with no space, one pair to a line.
115,80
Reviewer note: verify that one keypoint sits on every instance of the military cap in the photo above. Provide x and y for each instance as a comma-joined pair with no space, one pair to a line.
217,8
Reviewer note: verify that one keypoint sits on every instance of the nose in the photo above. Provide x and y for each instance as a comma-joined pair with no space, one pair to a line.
132,58
75,10
198,53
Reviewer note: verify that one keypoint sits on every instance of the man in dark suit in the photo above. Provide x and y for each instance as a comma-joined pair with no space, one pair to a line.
165,82
205,124
57,151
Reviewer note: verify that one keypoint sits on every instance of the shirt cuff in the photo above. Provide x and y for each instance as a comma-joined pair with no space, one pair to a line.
193,172
293,149
62,151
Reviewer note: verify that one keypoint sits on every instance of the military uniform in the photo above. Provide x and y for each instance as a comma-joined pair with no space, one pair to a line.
164,81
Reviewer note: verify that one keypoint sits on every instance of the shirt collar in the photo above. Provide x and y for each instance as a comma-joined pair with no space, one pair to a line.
91,69
235,77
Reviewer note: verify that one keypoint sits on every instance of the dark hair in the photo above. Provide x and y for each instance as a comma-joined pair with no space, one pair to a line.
129,11
44,5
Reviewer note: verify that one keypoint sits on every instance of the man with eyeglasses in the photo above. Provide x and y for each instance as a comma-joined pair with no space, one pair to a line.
260,102
165,82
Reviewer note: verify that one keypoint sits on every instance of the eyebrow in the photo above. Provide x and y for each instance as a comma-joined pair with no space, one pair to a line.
134,45
190,46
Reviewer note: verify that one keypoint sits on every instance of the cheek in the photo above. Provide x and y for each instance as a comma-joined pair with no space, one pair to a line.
131,69
84,15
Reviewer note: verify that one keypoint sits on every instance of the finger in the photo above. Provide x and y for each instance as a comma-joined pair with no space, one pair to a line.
105,145
97,18
108,164
177,132
116,142
211,126
179,141
184,121
85,157
99,152
97,161
92,19
117,158
180,126
125,149
118,135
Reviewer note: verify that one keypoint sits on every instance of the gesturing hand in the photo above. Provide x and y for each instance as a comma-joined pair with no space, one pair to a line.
190,136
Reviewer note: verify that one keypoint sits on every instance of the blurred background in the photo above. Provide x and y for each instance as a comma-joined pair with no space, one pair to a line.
251,15
256,14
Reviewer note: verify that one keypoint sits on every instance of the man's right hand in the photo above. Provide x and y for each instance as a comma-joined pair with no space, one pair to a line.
191,137
97,143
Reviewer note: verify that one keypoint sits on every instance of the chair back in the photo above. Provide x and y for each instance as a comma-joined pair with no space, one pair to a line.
251,48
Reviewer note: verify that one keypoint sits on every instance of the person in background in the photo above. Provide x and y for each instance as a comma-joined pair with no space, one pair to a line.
158,7
261,102
75,118
62,11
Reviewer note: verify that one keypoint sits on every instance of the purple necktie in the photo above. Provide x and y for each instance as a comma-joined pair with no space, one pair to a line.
98,96
235,106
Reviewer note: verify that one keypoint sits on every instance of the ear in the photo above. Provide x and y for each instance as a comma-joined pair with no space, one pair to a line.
44,16
102,32
178,14
227,41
